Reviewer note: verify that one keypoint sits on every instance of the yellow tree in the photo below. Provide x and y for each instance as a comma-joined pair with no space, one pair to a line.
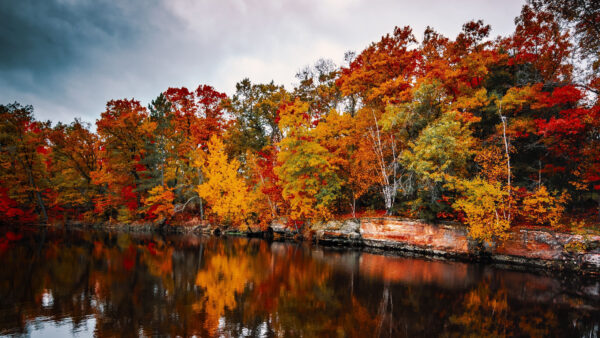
486,208
485,199
224,189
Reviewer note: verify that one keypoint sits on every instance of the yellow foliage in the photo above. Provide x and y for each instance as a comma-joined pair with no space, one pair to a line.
355,161
542,208
469,103
486,208
492,161
581,242
124,215
224,190
517,97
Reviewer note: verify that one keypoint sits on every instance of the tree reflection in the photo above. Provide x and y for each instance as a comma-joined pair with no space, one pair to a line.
187,285
485,312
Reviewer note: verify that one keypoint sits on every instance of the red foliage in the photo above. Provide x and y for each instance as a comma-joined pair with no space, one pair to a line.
130,197
8,207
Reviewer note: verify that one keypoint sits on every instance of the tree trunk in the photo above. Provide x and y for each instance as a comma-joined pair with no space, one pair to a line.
38,196
200,180
506,145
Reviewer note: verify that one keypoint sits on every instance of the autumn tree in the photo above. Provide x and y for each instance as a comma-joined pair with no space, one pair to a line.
159,203
23,170
317,86
195,116
123,130
340,134
383,72
252,139
382,75
224,189
439,156
580,19
73,158
305,168
539,44
260,171
254,108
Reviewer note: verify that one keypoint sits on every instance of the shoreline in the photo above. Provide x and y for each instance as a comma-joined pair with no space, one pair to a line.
541,248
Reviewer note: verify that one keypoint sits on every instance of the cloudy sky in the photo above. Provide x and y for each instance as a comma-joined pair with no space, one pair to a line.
68,57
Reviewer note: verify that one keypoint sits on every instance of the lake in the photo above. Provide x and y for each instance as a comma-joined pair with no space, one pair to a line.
57,283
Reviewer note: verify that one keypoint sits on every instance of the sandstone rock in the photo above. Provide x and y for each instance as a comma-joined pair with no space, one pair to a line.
350,226
534,247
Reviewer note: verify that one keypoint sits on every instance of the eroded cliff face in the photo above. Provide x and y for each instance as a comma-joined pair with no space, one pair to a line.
539,247
443,239
546,247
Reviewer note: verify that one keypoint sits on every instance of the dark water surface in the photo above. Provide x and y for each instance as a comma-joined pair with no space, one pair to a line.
57,283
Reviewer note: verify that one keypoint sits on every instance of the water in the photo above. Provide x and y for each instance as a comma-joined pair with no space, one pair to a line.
74,283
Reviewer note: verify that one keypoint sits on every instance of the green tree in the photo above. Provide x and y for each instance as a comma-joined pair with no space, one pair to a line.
254,108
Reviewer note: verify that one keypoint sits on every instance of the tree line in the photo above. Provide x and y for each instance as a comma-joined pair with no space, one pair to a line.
491,132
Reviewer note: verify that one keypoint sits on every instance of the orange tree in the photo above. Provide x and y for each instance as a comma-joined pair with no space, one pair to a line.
122,130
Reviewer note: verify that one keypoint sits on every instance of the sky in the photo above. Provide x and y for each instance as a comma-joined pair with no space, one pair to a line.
67,58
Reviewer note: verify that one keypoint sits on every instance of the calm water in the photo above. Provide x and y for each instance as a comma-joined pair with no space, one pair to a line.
63,283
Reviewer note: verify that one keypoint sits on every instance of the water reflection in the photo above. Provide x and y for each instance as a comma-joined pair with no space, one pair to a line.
58,283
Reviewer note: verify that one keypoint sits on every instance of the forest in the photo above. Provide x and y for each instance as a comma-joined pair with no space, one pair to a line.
491,132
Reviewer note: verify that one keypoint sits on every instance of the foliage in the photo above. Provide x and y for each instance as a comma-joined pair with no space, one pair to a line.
255,111
73,158
543,208
305,167
123,129
224,189
269,202
23,166
159,203
486,207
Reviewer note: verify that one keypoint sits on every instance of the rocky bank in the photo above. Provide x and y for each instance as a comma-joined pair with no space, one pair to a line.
539,247
534,247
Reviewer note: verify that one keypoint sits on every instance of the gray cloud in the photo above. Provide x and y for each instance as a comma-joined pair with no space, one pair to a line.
49,37
55,50
68,57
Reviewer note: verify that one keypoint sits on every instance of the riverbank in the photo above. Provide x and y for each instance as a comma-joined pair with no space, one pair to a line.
537,247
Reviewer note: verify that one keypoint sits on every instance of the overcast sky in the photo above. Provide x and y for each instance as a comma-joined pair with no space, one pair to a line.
68,57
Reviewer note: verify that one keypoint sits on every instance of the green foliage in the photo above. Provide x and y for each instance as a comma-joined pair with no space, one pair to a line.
254,108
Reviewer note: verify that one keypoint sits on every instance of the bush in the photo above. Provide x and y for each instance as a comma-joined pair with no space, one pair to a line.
543,208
